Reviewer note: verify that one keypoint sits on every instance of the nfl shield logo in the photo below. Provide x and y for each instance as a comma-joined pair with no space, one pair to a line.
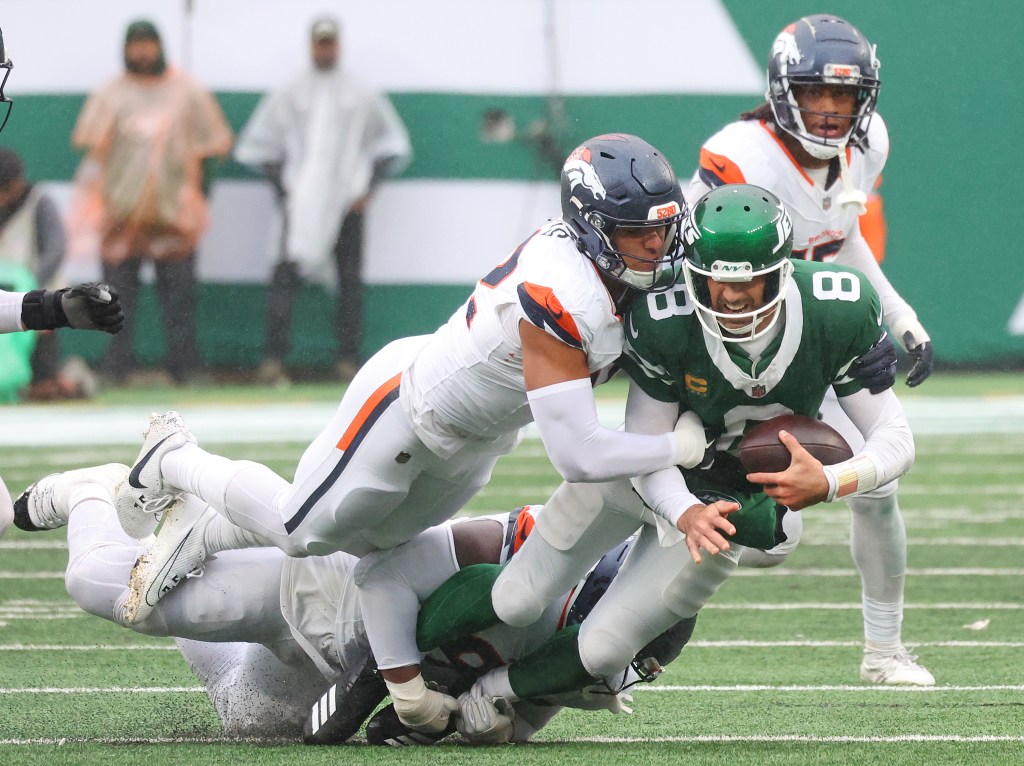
758,391
826,203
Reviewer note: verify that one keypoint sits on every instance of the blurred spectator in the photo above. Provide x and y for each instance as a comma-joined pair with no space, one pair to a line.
148,135
32,236
325,141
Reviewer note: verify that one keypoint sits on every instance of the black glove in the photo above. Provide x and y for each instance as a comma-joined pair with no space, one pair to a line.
90,306
875,370
924,360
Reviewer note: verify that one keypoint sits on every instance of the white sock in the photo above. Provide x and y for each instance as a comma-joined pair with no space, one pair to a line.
222,534
878,543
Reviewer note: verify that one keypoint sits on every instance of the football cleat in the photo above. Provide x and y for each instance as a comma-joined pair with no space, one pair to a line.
895,668
386,729
143,496
177,553
337,715
47,503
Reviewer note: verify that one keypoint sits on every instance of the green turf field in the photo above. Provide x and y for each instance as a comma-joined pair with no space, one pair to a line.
771,676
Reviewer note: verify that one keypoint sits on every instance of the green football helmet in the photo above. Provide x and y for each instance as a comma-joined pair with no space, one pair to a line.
736,233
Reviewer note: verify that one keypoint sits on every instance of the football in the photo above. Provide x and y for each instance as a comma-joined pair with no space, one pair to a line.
761,450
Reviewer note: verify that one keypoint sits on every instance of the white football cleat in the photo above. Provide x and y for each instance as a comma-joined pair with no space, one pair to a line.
47,503
895,668
144,495
177,553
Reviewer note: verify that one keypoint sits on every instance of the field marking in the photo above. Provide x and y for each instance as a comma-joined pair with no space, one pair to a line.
913,572
727,644
106,690
741,688
799,738
31,575
827,688
765,607
33,545
94,648
692,739
970,542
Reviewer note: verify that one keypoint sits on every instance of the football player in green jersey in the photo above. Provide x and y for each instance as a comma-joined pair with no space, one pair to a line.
748,335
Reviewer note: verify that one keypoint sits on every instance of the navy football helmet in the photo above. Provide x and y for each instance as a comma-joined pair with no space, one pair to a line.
618,180
816,50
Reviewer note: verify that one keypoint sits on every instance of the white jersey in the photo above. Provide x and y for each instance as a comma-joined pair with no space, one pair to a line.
466,386
749,151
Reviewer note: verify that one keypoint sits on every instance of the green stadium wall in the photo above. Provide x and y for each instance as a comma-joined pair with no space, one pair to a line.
950,97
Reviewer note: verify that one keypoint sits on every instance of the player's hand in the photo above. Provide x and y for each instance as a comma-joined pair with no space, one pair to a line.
92,306
918,344
923,357
485,721
691,441
423,707
704,526
875,370
799,486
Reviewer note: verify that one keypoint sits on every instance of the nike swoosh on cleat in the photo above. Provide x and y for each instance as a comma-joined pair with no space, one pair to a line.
133,477
161,578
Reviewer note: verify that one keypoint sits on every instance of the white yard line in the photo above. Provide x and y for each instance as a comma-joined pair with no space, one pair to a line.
693,739
737,643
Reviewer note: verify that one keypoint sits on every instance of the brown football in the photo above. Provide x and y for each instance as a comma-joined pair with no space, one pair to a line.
761,451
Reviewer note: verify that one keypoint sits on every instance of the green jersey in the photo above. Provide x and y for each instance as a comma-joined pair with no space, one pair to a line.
832,316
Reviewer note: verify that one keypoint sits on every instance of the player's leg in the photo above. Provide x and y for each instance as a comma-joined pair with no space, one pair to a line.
878,545
656,588
252,690
579,523
358,446
793,526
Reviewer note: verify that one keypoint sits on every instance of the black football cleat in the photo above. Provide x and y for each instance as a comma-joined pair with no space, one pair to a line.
339,713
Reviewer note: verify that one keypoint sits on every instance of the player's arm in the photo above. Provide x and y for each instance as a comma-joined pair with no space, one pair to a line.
581,449
897,313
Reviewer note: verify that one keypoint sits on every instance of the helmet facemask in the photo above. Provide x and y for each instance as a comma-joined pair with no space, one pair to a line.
776,282
7,65
791,118
664,269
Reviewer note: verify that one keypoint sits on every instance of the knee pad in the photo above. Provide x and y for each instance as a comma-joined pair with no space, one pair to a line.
516,603
604,652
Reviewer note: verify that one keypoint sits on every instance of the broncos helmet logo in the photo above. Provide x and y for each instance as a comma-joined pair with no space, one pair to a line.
582,173
786,49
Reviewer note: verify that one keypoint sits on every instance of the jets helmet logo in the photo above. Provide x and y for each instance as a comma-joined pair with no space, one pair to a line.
582,173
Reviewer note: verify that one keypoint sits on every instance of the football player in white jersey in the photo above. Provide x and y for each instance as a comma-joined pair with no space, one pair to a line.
424,421
819,145
83,307
263,631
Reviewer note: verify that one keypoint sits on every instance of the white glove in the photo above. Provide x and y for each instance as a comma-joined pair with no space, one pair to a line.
420,707
485,721
598,697
690,440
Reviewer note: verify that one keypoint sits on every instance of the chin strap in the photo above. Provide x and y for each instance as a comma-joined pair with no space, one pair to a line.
849,195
